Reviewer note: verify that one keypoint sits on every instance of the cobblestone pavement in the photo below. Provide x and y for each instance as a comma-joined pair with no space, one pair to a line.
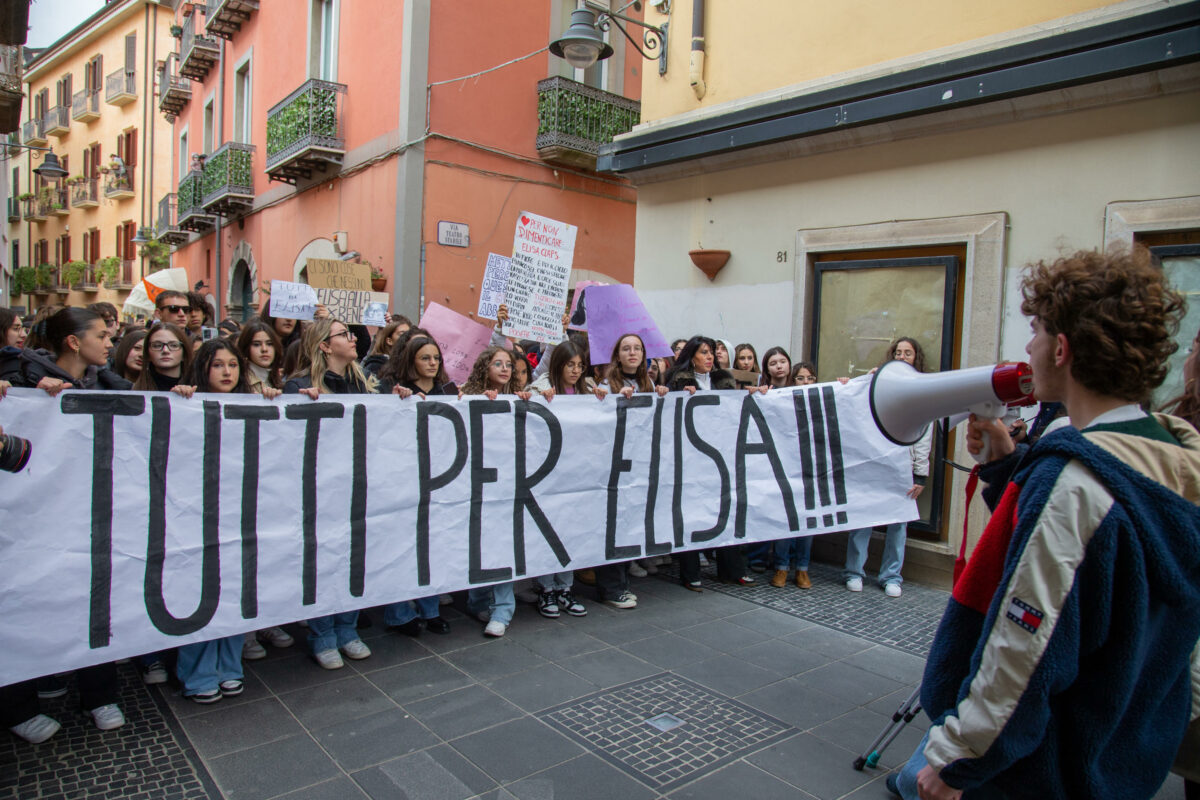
733,692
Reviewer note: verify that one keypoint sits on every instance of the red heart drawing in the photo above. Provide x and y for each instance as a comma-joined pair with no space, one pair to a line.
524,220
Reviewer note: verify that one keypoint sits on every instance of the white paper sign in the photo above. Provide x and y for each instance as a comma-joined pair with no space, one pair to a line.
543,250
351,306
495,280
292,300
360,500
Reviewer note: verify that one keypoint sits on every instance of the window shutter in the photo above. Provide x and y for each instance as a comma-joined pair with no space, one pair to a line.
96,245
120,244
130,53
131,147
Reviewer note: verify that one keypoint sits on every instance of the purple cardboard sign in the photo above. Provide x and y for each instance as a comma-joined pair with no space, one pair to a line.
612,312
461,339
579,315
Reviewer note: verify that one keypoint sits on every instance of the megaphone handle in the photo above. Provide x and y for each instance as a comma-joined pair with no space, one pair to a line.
985,453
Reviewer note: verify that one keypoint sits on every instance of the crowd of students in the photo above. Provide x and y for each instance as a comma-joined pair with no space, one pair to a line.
88,348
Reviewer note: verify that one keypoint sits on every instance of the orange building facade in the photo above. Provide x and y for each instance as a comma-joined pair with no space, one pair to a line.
331,129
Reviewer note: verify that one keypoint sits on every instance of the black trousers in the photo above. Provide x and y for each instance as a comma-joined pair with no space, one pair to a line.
612,580
97,687
731,564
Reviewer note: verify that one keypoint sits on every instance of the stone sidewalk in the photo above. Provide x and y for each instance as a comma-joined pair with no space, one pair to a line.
738,691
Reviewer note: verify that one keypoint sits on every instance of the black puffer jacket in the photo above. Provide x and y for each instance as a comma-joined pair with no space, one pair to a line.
336,384
33,365
720,378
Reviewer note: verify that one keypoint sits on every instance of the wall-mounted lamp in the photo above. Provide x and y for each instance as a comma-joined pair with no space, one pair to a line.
143,236
583,42
50,168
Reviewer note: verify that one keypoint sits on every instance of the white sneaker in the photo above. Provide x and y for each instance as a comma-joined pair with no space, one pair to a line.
155,673
495,628
446,600
892,590
636,570
329,659
252,650
357,650
854,584
276,637
626,600
37,729
108,717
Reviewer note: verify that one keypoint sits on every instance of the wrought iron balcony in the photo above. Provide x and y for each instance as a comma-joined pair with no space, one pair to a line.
123,282
304,132
47,279
174,91
167,230
85,194
575,119
14,210
85,105
120,87
10,87
14,143
57,121
60,202
87,281
189,212
34,132
36,209
119,183
228,184
198,52
225,17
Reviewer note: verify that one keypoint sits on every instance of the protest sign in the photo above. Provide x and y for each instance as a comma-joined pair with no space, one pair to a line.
461,339
375,314
261,512
351,306
614,311
579,305
328,273
495,280
292,300
543,250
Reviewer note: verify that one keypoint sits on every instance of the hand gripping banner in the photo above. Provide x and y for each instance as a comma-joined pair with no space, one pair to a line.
146,521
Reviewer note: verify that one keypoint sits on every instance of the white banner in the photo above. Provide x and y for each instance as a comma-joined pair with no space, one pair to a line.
145,521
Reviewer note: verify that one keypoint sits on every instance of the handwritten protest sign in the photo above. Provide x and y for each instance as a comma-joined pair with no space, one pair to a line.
579,305
543,250
292,300
351,306
328,273
614,311
495,280
461,339
408,498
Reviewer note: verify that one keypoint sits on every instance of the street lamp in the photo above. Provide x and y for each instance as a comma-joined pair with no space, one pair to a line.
50,168
141,237
582,45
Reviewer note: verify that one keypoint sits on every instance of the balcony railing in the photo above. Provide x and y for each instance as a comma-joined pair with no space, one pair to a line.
124,278
228,184
575,119
57,121
225,17
87,281
36,209
304,132
119,183
34,132
189,213
47,280
85,194
166,229
60,202
10,86
198,52
14,210
13,144
120,87
85,105
174,92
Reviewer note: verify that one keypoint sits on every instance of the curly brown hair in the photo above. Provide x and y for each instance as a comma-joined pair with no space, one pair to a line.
1117,312
477,382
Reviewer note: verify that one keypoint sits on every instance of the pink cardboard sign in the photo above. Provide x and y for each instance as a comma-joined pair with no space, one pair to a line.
612,312
579,305
461,339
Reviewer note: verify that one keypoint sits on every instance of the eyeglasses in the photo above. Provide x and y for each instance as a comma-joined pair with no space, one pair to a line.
333,336
168,346
174,309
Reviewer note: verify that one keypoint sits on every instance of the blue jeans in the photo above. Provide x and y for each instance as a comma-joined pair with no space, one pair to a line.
791,553
760,552
203,666
557,581
407,610
893,553
330,633
906,778
498,600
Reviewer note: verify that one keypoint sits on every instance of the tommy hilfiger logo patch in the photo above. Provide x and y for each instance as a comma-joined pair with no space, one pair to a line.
1024,615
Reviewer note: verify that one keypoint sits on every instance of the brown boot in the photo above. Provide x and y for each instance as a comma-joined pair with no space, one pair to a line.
802,581
779,579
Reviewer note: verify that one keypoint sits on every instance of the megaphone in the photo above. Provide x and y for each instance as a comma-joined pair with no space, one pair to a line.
904,402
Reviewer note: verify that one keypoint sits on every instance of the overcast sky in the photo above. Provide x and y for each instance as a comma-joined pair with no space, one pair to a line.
49,20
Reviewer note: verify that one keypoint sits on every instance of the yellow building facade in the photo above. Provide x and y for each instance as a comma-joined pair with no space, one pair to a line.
90,99
872,170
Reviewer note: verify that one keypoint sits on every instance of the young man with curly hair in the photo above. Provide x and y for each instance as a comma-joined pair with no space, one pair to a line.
1066,664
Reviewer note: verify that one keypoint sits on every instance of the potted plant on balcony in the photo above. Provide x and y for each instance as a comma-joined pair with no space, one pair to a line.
73,273
378,279
25,280
177,31
25,196
107,270
45,276
158,254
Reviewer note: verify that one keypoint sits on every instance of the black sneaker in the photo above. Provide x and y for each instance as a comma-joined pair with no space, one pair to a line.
548,605
568,603
437,625
50,686
410,628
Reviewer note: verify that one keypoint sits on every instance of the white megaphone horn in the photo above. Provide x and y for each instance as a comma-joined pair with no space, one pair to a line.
904,402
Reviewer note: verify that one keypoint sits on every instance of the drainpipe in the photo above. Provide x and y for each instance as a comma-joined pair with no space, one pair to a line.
220,135
696,64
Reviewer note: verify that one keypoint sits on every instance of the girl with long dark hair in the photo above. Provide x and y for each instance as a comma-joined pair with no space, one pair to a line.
260,346
167,359
130,355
